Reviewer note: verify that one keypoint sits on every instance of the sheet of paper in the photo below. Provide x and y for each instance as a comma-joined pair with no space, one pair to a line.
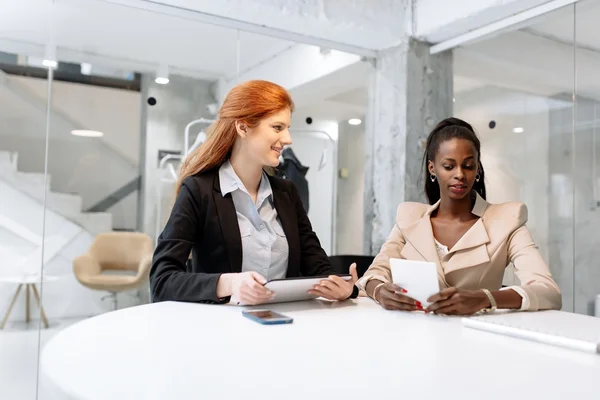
419,278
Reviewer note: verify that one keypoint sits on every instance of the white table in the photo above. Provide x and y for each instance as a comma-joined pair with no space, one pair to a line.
29,282
351,350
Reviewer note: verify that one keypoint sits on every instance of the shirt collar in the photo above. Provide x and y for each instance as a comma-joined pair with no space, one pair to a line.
230,182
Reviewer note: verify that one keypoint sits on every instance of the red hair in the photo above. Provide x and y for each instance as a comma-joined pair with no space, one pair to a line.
249,102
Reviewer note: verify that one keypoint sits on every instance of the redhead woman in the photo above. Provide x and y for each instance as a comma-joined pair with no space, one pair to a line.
242,226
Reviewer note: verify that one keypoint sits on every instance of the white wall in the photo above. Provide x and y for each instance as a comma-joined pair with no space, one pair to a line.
516,164
115,112
308,146
178,103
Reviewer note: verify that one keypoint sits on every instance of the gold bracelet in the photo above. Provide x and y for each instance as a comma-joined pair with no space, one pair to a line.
375,292
493,304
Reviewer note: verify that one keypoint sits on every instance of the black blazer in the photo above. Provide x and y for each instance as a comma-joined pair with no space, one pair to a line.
205,222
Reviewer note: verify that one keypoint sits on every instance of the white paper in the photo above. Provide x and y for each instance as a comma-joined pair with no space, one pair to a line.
418,278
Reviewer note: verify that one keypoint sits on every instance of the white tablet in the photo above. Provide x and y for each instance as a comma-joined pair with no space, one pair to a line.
419,278
296,289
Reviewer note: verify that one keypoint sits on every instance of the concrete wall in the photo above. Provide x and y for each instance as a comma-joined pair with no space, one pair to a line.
309,145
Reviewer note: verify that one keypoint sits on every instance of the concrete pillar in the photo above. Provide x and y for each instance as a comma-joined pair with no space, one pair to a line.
409,92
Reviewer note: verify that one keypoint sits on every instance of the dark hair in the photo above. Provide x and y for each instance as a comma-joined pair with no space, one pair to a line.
447,129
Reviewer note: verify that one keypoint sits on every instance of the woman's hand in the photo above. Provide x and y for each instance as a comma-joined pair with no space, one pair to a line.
249,289
393,297
453,301
336,288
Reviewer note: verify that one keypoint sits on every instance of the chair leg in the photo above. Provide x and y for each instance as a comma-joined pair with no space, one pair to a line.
113,297
10,307
27,303
39,301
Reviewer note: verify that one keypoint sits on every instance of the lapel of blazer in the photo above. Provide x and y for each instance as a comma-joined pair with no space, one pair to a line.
471,248
422,244
286,212
229,226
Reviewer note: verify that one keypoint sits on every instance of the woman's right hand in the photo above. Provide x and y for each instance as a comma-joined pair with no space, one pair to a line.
393,297
249,289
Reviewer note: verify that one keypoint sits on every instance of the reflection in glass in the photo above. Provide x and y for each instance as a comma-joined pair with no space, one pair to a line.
23,183
517,90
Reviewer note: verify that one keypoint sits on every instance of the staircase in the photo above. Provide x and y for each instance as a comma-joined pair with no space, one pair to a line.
63,204
63,230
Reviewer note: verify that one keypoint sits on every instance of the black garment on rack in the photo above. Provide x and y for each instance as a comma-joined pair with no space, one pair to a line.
292,169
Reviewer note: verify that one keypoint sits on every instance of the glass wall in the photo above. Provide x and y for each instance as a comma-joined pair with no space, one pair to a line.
23,183
518,91
586,276
125,105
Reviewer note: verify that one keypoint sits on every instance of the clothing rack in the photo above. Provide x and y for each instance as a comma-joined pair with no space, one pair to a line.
186,137
163,166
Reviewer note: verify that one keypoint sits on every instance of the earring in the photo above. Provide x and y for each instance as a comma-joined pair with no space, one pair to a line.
477,177
432,177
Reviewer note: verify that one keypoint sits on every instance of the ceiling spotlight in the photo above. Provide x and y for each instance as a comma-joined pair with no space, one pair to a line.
50,56
86,69
86,133
453,100
518,129
162,77
354,121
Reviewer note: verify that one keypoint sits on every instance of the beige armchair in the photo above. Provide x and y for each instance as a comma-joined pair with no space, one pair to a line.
115,252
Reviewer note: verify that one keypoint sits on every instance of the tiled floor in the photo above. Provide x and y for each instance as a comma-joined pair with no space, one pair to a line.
19,361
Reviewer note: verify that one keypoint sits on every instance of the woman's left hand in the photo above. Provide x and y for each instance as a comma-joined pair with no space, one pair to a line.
336,288
453,301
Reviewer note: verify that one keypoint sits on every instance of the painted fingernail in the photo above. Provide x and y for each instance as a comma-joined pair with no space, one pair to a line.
418,304
404,291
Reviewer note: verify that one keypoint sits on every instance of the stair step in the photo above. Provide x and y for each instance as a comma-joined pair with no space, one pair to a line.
29,183
33,177
95,223
67,205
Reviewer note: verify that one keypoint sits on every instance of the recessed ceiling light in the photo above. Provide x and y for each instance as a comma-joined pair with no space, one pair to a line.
453,100
50,56
162,76
49,63
354,121
86,69
86,133
518,129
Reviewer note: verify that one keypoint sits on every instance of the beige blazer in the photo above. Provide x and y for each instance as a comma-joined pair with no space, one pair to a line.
479,258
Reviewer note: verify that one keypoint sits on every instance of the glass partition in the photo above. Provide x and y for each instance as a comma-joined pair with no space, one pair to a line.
517,90
586,279
23,234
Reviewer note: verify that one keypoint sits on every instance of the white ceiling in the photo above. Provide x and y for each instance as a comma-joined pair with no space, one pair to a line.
96,32
574,21
537,59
